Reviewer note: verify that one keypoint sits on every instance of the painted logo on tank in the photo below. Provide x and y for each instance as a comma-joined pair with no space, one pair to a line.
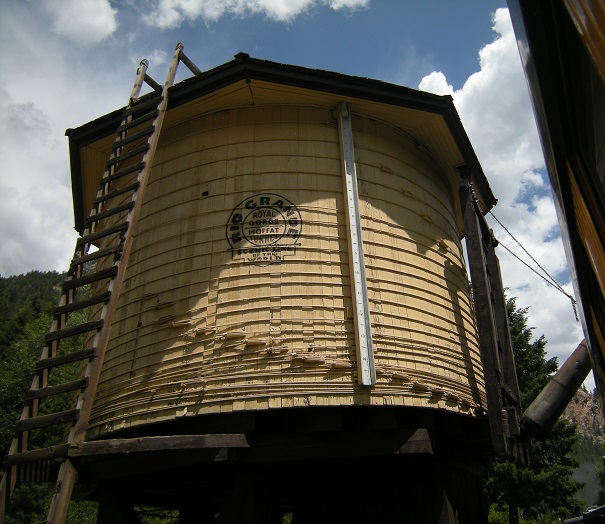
264,228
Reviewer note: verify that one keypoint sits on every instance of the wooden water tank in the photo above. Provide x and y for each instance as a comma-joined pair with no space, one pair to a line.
238,291
238,294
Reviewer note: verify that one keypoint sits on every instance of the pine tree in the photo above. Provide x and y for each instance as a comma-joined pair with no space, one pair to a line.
544,490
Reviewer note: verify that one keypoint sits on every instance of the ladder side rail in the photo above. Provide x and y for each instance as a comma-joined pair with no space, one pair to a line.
508,380
38,381
138,82
57,512
19,443
507,360
512,409
484,315
105,184
41,376
93,224
5,488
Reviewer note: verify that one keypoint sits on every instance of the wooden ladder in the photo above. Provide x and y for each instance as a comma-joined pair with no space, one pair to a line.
111,224
501,384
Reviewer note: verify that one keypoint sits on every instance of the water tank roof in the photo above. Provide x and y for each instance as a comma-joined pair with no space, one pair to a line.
430,119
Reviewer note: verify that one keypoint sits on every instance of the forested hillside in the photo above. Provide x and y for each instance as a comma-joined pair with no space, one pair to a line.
26,304
22,299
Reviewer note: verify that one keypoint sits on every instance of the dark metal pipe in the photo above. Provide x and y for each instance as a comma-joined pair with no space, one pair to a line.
539,418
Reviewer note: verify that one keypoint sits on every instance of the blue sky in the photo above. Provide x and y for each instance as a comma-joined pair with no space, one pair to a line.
66,62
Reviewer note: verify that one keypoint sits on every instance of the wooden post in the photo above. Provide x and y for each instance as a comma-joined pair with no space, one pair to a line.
251,500
488,339
114,508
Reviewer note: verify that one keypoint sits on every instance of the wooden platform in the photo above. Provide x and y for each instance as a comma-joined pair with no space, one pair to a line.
320,464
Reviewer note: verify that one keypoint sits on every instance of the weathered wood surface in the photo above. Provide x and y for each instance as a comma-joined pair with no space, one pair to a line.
209,324
160,443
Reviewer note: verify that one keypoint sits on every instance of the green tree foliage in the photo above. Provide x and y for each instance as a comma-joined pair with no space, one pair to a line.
26,304
588,451
544,490
533,370
16,372
22,299
601,479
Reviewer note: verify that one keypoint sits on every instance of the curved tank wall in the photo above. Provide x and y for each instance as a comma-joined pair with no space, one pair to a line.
237,294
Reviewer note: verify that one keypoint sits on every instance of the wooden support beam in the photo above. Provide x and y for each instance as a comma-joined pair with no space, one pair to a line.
35,455
162,443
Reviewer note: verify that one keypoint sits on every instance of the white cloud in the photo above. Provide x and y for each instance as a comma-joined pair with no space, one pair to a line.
30,193
82,21
59,88
496,111
530,180
348,4
168,14
42,243
25,128
156,58
436,83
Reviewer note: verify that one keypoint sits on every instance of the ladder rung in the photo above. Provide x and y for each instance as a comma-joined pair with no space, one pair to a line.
93,325
190,65
109,212
43,421
35,455
117,192
81,304
109,177
76,261
125,156
91,237
109,272
154,101
152,83
74,356
48,391
133,138
140,120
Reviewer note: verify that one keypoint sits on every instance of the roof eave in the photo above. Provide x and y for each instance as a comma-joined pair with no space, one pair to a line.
242,67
